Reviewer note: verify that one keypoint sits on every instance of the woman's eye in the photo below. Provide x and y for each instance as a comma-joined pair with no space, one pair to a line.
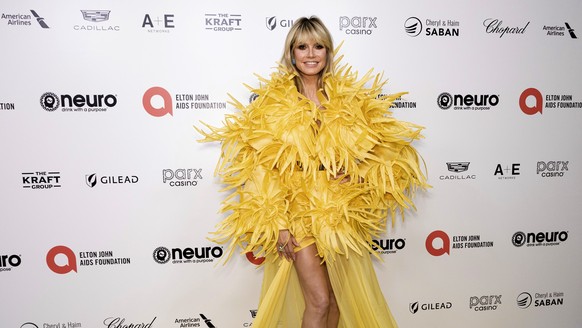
301,47
319,46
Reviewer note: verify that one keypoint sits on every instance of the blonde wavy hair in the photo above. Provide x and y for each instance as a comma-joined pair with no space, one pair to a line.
303,30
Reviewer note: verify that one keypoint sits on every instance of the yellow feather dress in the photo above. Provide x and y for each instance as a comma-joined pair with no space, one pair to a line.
279,157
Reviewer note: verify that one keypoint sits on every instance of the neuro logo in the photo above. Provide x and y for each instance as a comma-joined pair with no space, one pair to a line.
49,101
413,307
458,166
71,262
524,300
96,15
162,255
518,239
413,26
538,103
445,241
445,100
166,107
39,19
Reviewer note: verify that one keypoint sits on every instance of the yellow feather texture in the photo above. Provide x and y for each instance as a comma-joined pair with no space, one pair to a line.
285,171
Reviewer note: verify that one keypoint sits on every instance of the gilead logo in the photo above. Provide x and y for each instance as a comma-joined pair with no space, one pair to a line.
70,265
538,103
166,107
445,240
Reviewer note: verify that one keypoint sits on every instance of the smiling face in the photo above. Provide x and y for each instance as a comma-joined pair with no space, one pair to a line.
310,58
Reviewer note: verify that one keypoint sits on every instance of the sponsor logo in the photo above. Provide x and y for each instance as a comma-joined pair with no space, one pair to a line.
96,16
223,22
118,322
552,169
388,246
399,102
41,180
157,24
86,259
24,19
571,31
535,239
187,322
158,102
484,303
458,167
510,172
272,23
496,26
559,30
207,321
459,242
357,25
29,325
415,307
524,300
531,101
253,315
181,177
413,26
92,179
253,97
553,298
66,324
50,102
163,255
9,262
7,106
254,260
467,102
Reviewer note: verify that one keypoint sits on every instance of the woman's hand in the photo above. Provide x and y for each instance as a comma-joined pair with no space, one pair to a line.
344,177
286,245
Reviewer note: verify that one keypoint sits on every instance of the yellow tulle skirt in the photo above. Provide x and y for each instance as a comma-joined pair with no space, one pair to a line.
358,294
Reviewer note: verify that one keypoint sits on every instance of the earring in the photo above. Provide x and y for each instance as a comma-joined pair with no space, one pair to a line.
293,61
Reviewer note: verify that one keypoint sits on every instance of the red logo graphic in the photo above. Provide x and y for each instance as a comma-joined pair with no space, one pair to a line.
438,234
71,264
538,105
147,102
254,260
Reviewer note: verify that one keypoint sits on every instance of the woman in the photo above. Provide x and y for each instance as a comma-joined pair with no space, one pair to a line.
316,162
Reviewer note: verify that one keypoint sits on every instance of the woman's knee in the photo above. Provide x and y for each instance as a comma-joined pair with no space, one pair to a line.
320,302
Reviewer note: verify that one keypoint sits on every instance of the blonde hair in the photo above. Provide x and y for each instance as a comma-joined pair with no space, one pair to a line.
306,29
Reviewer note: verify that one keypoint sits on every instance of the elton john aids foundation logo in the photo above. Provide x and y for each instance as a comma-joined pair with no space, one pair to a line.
155,94
531,101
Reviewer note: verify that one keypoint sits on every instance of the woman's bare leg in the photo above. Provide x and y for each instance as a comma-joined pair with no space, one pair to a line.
320,306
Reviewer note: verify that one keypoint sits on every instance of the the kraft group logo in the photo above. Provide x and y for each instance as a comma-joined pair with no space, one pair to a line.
161,110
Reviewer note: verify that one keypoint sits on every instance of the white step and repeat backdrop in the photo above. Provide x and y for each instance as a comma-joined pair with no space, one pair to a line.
107,198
